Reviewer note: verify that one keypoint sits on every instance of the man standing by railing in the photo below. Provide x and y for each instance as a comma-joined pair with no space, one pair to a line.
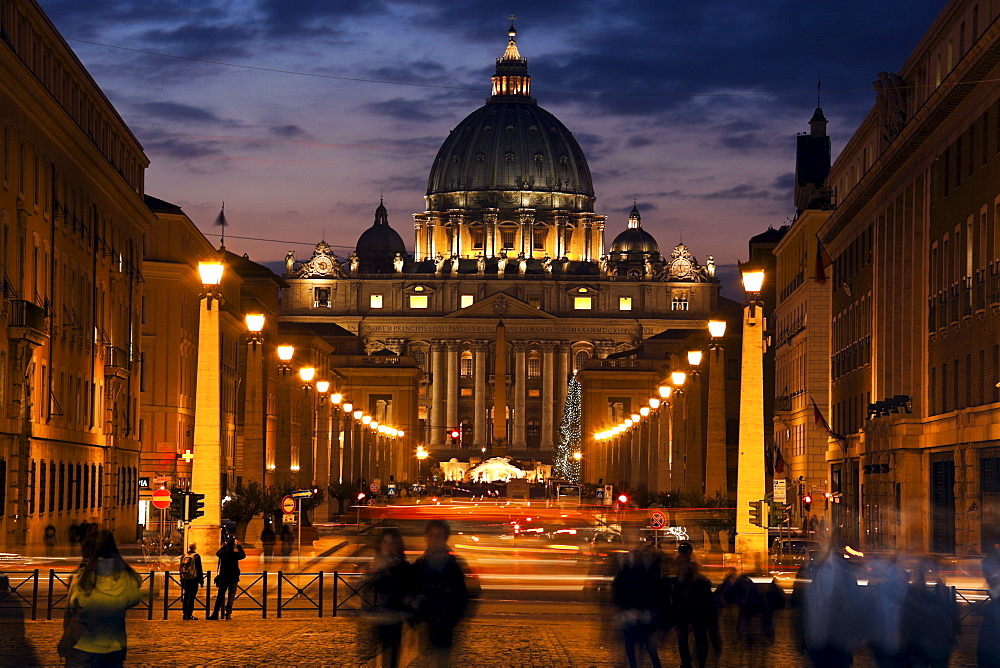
191,576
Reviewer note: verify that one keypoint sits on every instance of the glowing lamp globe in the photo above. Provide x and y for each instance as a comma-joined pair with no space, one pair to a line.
753,279
255,322
322,386
307,373
665,391
337,397
210,272
717,328
286,353
348,407
678,378
358,415
366,419
694,357
644,411
654,403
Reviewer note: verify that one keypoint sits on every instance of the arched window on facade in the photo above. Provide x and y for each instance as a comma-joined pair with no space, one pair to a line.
534,365
420,357
581,359
465,364
508,236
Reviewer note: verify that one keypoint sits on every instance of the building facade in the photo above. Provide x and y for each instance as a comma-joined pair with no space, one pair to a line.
509,234
914,298
72,221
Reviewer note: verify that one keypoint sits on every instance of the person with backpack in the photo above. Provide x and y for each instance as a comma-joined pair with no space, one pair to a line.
191,577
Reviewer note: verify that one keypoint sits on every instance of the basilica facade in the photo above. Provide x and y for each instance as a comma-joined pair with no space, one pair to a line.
508,233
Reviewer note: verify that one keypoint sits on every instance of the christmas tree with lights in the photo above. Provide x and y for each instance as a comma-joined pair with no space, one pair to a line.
567,462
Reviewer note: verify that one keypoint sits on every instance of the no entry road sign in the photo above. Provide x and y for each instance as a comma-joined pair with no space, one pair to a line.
288,505
657,520
161,499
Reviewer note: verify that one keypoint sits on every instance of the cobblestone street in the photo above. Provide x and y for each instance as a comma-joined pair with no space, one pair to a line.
489,640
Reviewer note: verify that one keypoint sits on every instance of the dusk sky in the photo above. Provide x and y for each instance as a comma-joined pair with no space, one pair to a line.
690,107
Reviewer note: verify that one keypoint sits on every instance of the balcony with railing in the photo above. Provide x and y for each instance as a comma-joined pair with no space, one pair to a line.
117,362
27,322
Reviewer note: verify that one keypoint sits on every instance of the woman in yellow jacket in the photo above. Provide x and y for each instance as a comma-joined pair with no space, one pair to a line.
102,589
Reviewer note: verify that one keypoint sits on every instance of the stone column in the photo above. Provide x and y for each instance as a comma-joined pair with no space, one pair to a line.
563,371
695,460
452,398
587,231
490,221
520,437
439,387
480,419
527,217
599,227
751,541
206,470
431,242
419,243
548,394
560,242
255,411
653,452
455,222
715,437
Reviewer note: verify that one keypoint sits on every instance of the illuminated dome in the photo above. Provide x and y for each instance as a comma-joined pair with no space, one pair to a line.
511,144
635,240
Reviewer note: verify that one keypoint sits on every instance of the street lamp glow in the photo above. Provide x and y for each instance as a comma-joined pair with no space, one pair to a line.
286,353
422,452
665,391
373,425
635,418
358,415
644,411
753,279
627,422
654,403
211,272
717,328
366,419
348,407
307,373
336,398
255,322
401,433
322,386
577,455
678,378
694,357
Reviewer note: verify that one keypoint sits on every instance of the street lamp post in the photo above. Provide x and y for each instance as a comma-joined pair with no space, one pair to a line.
206,470
254,427
678,406
751,540
716,483
693,428
306,464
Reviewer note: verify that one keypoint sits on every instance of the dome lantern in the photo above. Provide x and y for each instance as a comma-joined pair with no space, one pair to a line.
511,79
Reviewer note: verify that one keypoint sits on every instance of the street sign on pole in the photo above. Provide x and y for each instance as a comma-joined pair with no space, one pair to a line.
780,488
161,499
288,505
657,519
302,494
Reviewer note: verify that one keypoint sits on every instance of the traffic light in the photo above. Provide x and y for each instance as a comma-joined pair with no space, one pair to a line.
177,505
194,506
757,513
456,436
807,502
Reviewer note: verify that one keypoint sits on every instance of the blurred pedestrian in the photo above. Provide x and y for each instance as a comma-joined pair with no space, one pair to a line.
882,601
641,596
390,579
287,545
442,593
101,590
930,618
693,608
268,539
228,579
757,598
830,613
49,538
988,649
17,650
191,576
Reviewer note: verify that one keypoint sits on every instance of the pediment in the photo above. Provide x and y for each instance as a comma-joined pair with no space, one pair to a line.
501,306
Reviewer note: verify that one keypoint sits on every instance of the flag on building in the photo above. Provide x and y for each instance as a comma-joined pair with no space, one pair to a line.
823,260
821,422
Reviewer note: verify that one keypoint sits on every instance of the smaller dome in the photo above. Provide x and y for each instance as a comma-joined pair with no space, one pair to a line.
634,239
380,239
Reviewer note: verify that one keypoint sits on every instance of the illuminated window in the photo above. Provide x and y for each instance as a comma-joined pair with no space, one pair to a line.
321,297
535,300
540,239
467,300
418,301
534,393
534,365
679,302
507,237
581,359
582,303
466,392
465,367
478,238
375,301
624,303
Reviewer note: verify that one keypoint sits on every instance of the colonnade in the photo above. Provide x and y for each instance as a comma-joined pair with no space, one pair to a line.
555,369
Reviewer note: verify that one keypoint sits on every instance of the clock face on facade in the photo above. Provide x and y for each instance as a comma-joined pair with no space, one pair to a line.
323,265
680,267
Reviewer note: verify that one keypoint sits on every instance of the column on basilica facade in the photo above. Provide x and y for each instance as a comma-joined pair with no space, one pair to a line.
479,420
490,223
599,241
527,218
418,237
587,239
563,372
431,242
520,438
548,393
455,228
439,386
560,230
452,398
